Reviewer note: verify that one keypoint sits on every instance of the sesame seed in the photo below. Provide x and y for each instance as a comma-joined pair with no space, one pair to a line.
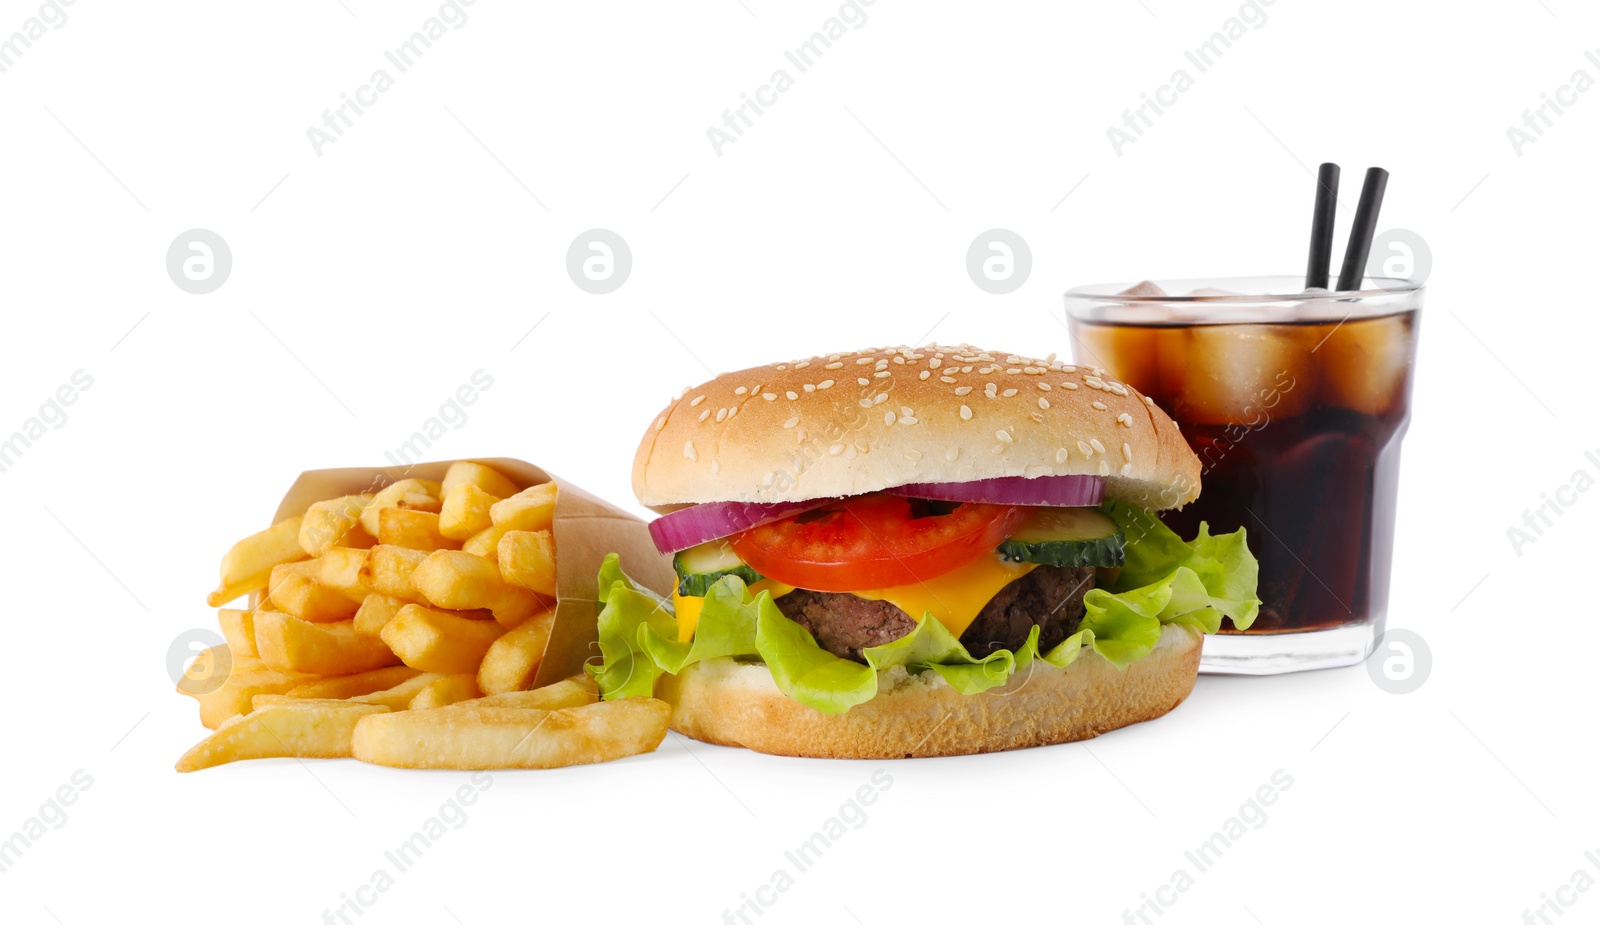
924,374
1098,446
997,449
888,418
733,411
935,363
882,374
966,369
1069,369
863,361
809,387
1032,371
964,390
1125,419
661,422
790,423
900,361
740,390
705,414
1008,393
791,395
1085,449
835,365
1044,386
1127,468
782,366
1072,386
688,451
802,364
834,356
991,390
1099,405
881,364
1013,371
1105,467
863,381
836,449
952,453
695,402
1050,360
907,419
1061,455
948,380
722,414
905,410
913,455
1149,401
850,452
966,413
825,384
1127,452
1044,404
880,398
1002,436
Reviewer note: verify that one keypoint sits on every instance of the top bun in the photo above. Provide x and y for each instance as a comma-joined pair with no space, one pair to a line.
857,422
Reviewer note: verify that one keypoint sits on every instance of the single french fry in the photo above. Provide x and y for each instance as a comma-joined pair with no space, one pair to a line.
513,659
406,494
445,691
435,640
248,565
458,580
484,477
295,589
331,523
529,509
387,570
288,643
240,689
376,611
557,696
239,629
400,696
485,542
465,511
343,687
305,729
487,738
527,559
413,530
340,569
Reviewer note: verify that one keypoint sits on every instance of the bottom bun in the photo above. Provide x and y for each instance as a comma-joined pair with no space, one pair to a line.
920,716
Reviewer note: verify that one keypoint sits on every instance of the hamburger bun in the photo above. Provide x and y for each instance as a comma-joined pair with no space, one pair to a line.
919,716
852,423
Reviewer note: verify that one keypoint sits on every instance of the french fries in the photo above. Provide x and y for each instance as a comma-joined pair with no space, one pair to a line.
485,478
303,729
387,570
335,522
438,640
295,589
449,689
406,494
432,602
513,659
288,643
527,559
413,530
489,738
465,511
248,565
459,580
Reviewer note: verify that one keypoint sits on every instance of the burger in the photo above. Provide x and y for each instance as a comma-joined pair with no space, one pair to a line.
917,552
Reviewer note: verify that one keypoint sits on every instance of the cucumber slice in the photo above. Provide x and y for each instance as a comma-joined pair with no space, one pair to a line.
699,567
1070,537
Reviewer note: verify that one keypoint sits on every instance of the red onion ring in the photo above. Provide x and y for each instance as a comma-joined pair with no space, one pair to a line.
702,523
1045,491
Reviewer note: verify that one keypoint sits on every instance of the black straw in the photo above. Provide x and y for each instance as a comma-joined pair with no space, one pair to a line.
1361,230
1322,226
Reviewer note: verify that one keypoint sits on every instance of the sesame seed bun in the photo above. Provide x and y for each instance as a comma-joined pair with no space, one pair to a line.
857,422
920,716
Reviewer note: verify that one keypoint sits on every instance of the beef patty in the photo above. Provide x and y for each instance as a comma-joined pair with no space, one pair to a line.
1048,596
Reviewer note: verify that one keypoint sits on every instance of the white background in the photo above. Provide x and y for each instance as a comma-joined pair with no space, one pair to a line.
368,283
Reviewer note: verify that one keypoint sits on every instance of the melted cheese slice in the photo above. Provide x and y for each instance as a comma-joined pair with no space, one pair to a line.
954,598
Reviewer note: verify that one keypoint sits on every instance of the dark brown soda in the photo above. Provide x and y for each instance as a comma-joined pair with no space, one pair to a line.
1298,429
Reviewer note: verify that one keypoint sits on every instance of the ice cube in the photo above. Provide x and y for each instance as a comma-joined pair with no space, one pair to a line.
1144,290
1364,363
1244,374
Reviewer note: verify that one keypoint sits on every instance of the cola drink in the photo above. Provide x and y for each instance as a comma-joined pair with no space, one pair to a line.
1296,405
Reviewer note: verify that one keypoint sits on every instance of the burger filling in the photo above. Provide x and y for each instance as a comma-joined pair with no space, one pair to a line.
831,596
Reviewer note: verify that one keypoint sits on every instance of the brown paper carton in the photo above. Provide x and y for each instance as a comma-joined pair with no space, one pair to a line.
586,528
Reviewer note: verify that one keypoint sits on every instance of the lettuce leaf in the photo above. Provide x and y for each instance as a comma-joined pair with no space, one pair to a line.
1164,581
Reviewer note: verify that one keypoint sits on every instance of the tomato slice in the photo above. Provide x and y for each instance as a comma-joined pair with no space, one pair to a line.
875,541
